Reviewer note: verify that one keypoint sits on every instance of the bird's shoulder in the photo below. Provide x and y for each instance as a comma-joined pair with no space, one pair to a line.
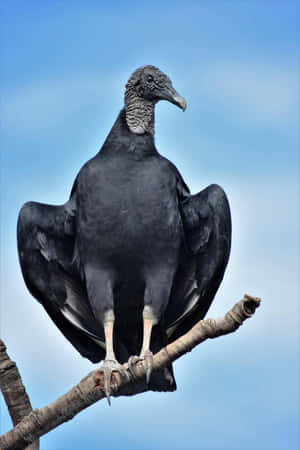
171,169
83,173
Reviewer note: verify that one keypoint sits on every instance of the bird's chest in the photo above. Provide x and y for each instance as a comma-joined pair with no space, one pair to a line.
129,200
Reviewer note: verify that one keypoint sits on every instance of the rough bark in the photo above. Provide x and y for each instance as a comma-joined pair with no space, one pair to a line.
91,388
14,393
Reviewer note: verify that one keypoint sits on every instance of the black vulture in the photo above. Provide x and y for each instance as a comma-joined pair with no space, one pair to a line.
131,249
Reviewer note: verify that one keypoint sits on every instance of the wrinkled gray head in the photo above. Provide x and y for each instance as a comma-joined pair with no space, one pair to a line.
146,86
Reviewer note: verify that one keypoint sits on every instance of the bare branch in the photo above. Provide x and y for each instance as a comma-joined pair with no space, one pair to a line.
91,388
13,391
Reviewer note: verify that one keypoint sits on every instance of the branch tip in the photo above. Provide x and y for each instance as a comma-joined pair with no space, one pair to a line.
250,304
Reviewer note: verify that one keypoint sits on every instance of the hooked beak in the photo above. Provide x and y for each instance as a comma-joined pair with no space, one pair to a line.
172,96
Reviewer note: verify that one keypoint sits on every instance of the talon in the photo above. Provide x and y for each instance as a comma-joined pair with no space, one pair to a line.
108,367
107,378
131,363
148,357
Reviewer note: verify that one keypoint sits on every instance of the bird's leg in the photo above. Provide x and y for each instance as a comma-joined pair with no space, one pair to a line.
109,320
110,364
148,321
158,283
146,354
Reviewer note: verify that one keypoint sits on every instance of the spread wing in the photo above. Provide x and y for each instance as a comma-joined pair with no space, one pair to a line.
204,256
51,270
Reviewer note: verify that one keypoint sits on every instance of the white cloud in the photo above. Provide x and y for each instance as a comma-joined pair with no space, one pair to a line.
254,91
259,92
45,104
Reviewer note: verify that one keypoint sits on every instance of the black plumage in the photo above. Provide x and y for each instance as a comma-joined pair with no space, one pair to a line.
132,248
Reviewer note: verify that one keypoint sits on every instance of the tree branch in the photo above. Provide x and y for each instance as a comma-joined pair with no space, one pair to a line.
91,388
14,393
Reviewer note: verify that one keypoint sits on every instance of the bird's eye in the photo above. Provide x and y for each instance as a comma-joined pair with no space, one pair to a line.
149,78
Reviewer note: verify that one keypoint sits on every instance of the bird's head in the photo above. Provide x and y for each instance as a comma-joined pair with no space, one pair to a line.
146,86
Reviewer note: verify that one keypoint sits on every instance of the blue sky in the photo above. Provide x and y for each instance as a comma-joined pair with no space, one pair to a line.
64,66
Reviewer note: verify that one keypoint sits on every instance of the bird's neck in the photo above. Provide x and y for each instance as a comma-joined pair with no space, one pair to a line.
139,113
122,139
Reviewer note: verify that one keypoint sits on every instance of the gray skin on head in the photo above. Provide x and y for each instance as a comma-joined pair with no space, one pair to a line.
146,86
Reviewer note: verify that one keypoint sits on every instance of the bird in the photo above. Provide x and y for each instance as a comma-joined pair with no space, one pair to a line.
132,260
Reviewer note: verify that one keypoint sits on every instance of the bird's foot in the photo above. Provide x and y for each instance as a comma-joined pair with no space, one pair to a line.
132,361
108,367
146,356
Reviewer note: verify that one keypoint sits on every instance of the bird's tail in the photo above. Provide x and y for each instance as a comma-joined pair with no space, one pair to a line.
160,381
163,380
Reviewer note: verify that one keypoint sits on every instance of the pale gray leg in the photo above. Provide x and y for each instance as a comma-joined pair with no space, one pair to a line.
146,354
110,364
